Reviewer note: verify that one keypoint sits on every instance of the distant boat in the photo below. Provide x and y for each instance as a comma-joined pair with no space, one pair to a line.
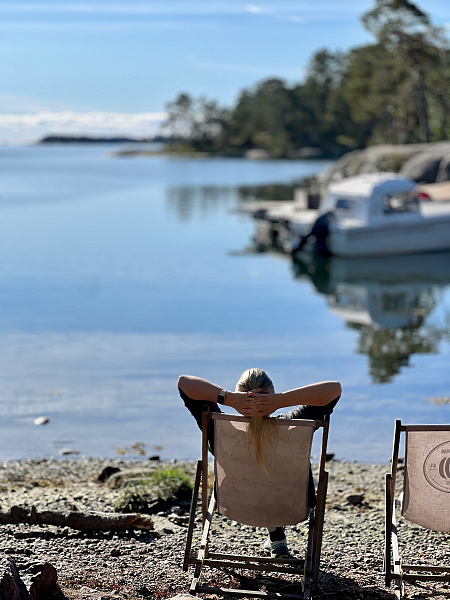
377,214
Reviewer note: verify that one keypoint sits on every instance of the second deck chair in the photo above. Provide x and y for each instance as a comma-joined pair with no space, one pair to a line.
426,498
246,493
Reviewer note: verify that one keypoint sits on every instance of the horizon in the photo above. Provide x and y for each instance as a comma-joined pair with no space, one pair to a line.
109,68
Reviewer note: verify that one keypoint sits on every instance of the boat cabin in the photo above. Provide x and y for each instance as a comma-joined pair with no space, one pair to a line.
367,199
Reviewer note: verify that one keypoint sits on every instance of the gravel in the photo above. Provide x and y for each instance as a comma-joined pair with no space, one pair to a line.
147,564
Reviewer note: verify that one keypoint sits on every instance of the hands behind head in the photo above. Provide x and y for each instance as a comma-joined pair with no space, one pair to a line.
257,404
252,404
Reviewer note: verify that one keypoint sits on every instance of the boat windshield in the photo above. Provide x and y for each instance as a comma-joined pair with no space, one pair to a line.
348,206
400,202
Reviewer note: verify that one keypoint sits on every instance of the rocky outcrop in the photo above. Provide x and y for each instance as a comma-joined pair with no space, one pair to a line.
41,578
430,166
424,163
11,586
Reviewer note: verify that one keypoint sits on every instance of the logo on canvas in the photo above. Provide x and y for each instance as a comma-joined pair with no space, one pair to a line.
436,467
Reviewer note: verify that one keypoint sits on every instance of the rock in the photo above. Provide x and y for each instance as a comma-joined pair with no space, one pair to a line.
355,499
11,586
421,162
107,472
65,451
43,581
178,520
258,154
167,530
429,166
144,591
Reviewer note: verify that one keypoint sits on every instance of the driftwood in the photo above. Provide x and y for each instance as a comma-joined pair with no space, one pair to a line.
76,520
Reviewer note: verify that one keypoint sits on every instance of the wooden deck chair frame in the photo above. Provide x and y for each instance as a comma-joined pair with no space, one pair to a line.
308,569
394,569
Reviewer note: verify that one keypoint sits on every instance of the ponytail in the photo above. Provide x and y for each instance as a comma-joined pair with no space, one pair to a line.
262,432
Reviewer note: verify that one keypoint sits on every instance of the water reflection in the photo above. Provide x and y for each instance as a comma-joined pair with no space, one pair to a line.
187,201
387,300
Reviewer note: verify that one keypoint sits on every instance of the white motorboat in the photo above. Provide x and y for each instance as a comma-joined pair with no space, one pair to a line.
377,214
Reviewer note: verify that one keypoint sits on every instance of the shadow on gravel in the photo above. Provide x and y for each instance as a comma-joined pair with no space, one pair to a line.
334,588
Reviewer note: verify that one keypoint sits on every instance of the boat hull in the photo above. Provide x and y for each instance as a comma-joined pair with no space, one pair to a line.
424,235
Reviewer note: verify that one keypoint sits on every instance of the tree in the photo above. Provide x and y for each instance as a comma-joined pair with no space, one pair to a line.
180,116
389,84
329,124
262,118
395,90
197,124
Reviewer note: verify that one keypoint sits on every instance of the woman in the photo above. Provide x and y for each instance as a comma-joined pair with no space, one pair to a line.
255,397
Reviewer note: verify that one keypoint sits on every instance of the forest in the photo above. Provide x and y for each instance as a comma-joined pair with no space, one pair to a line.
395,90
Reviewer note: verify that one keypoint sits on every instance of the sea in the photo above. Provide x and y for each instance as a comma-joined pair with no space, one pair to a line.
118,274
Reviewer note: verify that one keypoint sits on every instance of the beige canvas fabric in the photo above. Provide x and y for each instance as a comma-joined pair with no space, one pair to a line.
426,499
245,493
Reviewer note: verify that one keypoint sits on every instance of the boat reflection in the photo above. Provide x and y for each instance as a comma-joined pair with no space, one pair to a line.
387,300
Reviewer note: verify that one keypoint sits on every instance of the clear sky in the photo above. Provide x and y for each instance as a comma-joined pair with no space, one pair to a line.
110,66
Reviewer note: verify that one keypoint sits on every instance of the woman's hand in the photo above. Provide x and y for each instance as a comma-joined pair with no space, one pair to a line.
260,405
251,404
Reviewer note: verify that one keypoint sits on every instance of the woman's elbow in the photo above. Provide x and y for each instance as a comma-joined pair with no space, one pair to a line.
182,381
331,391
336,390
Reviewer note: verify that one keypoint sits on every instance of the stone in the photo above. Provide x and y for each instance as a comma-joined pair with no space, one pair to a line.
11,586
355,499
421,162
427,167
43,580
65,451
107,472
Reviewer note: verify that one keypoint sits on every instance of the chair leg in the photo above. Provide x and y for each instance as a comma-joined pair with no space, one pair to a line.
318,526
387,533
203,551
308,568
194,501
397,566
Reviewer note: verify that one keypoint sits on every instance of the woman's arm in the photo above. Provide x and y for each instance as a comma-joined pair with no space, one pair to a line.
203,390
315,394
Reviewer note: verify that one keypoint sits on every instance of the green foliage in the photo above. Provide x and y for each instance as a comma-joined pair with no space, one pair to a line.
395,90
155,492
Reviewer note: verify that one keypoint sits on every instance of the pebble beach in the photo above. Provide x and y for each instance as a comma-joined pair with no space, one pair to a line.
133,565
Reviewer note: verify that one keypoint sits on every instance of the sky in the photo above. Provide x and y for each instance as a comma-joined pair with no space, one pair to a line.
109,67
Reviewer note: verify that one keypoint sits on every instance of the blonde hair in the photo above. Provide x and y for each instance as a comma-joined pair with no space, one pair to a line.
261,431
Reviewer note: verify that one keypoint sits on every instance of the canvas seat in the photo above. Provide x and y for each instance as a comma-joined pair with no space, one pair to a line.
246,493
426,498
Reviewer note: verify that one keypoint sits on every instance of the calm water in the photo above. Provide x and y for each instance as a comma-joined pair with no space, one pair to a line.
117,275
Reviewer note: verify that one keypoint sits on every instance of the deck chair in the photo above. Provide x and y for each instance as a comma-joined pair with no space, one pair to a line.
245,493
426,498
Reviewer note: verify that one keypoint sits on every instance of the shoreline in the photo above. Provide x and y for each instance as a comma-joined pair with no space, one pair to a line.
147,564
